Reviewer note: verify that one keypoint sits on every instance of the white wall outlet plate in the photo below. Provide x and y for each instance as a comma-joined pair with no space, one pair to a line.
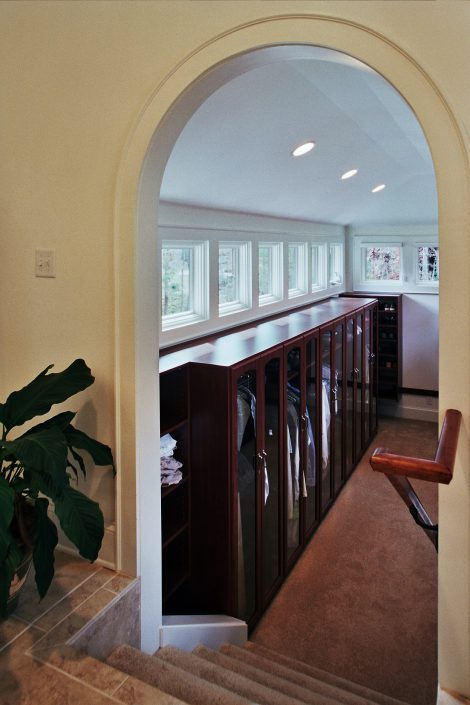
44,263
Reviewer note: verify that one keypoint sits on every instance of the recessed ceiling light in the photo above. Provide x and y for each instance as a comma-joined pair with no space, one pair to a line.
350,173
378,188
303,149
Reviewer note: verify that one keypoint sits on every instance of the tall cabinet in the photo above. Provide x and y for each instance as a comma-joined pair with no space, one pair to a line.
278,416
388,327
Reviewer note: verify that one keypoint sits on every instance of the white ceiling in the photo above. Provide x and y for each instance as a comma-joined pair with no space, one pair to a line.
235,151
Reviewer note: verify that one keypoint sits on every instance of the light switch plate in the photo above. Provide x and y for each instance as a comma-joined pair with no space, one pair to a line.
45,263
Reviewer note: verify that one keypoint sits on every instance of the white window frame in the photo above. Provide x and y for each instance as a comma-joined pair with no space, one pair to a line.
318,266
199,285
419,283
301,287
244,274
380,283
338,248
188,226
276,274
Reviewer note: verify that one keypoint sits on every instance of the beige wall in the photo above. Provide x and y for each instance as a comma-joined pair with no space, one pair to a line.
76,78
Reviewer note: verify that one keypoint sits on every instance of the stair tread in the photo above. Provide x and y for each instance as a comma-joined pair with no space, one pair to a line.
294,692
104,677
226,677
319,674
171,679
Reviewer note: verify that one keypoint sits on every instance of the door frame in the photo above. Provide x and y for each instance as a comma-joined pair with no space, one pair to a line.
137,294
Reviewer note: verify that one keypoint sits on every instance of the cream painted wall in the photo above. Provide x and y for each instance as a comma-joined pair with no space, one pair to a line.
76,80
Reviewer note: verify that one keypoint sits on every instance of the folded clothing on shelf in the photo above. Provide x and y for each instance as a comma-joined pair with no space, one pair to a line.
170,472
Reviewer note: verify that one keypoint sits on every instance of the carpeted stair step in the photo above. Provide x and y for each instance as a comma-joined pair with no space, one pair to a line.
225,676
171,679
319,674
292,691
274,668
102,677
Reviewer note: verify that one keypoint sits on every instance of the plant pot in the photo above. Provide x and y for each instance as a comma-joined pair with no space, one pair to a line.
19,579
22,529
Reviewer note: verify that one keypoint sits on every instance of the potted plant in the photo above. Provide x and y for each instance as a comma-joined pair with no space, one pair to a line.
38,466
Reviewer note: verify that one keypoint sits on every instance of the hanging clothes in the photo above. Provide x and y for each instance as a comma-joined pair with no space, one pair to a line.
310,479
246,408
326,414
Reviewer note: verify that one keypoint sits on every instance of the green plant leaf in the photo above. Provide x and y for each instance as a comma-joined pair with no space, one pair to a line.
7,503
82,521
79,459
42,482
38,396
45,541
100,452
44,451
61,421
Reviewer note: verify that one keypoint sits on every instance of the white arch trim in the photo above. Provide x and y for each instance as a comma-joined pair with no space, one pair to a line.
137,281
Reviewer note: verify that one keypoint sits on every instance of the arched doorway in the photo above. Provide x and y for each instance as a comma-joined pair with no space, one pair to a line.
137,310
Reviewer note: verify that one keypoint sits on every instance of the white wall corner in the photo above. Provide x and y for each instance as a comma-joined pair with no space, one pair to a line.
187,631
450,697
107,554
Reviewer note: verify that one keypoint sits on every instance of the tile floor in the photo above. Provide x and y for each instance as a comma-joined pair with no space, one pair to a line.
38,663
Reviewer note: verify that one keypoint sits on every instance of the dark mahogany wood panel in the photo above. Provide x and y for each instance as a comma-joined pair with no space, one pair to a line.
438,470
230,349
211,520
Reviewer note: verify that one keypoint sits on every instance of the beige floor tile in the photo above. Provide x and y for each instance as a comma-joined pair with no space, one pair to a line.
9,629
119,583
70,571
73,599
39,684
77,619
84,668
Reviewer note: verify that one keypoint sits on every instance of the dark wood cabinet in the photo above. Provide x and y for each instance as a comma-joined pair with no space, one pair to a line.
277,417
174,400
388,345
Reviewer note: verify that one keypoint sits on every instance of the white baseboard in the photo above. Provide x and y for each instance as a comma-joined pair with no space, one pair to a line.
187,631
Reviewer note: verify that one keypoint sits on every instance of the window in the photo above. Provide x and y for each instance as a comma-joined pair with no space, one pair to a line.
184,291
382,263
269,272
318,267
297,269
427,264
335,264
234,277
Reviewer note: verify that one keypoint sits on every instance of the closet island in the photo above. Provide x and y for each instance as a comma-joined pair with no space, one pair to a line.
269,422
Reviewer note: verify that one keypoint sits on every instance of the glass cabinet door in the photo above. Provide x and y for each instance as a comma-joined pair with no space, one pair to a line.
373,367
326,394
349,392
359,383
367,375
338,407
246,494
294,476
270,470
310,436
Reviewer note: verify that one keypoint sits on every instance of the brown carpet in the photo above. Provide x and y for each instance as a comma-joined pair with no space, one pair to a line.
362,600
